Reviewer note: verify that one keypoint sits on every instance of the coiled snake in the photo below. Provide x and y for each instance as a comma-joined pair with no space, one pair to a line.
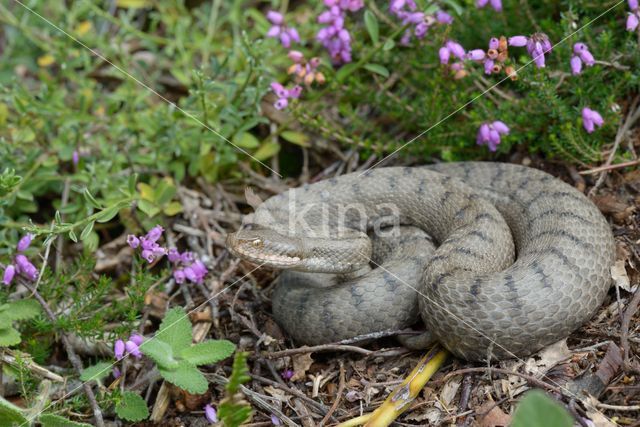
522,258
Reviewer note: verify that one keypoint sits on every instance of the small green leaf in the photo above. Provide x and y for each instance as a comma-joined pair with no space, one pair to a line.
9,336
239,373
538,409
11,415
108,214
132,407
160,352
245,140
20,310
388,45
187,377
345,71
58,218
165,192
378,69
133,178
267,150
90,199
52,420
207,352
148,208
173,208
175,330
72,236
96,372
298,138
371,22
86,230
455,6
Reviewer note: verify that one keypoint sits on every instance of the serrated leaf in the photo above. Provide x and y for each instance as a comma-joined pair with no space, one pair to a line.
90,199
86,230
239,373
132,407
267,150
9,336
107,214
176,330
298,138
52,420
378,69
10,414
72,236
245,140
160,352
19,310
538,409
96,372
187,377
210,351
371,22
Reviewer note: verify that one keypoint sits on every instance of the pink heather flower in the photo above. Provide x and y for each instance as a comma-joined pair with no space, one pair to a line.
284,94
278,29
591,119
133,241
133,349
275,420
116,373
9,273
137,339
488,66
494,43
75,157
476,55
24,243
456,49
25,268
633,4
118,349
443,17
444,54
495,4
287,374
179,276
154,234
632,22
210,414
295,56
489,134
576,65
173,255
517,41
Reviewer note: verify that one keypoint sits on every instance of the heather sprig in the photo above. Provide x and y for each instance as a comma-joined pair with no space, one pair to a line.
20,264
278,29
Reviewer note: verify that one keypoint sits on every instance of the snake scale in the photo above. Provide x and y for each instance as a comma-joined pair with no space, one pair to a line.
522,259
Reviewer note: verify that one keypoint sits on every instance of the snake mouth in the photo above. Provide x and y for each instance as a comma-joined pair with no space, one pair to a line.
265,247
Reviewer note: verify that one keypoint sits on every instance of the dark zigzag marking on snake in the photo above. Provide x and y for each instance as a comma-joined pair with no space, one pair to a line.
555,194
563,214
565,234
537,268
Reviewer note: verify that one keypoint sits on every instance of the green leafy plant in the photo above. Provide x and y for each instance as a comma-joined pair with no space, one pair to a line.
132,407
14,416
537,409
234,410
12,312
177,357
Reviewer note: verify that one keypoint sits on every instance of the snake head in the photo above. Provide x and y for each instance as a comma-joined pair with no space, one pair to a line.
266,247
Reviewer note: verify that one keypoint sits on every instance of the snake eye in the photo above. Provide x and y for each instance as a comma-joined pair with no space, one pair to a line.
257,243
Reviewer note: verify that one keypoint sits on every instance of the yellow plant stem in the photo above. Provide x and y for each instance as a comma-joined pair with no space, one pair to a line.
400,399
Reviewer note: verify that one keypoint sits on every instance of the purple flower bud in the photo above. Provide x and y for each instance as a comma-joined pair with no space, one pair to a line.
24,243
518,41
178,276
576,65
496,5
287,375
274,31
285,39
444,54
494,43
154,234
587,58
293,33
9,273
210,414
148,255
483,134
116,373
456,49
578,47
24,267
443,17
539,60
199,268
75,157
118,349
457,66
325,17
173,255
136,338
494,140
275,420
132,348
488,66
295,56
632,22
633,4
133,241
590,119
275,17
190,274
421,29
481,3
501,127
476,55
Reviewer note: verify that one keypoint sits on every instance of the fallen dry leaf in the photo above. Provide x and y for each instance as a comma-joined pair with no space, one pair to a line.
301,363
619,275
493,417
547,358
597,417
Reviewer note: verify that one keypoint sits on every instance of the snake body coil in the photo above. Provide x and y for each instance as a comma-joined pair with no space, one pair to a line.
475,295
